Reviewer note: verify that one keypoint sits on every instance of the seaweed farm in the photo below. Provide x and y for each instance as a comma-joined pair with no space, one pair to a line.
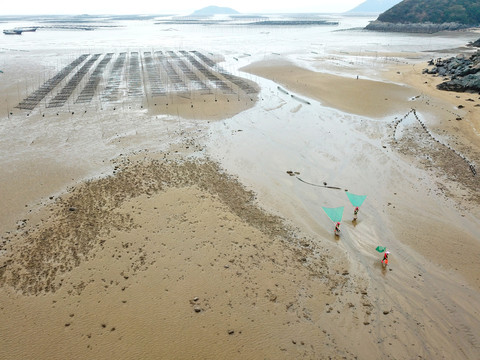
136,75
34,99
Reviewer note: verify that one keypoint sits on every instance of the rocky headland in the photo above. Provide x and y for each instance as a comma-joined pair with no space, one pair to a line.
426,16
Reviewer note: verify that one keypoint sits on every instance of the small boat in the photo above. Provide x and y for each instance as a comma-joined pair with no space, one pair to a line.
27,29
12,32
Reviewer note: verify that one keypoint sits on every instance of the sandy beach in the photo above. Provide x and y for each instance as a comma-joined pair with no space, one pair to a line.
169,227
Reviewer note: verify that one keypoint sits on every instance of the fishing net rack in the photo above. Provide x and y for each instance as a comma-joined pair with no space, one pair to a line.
62,96
134,79
89,90
242,84
186,67
208,72
156,85
30,102
135,75
111,91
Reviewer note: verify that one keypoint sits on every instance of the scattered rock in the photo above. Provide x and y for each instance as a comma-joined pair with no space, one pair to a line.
231,332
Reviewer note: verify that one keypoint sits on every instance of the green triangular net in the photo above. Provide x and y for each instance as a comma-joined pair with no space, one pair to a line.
356,200
335,214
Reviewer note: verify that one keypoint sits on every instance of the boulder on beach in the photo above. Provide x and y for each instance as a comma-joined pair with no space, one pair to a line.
463,72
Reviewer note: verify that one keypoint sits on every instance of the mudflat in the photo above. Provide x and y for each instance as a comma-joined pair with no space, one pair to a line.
172,229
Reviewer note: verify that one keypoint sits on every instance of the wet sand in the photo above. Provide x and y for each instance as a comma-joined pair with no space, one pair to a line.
45,159
358,96
441,114
163,254
176,263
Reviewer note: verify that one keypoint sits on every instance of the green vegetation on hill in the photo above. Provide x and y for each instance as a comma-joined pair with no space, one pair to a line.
434,11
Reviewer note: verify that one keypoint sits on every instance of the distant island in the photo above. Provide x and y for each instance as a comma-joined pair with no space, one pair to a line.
214,10
373,6
427,16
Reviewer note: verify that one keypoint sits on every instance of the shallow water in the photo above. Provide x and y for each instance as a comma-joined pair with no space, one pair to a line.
234,40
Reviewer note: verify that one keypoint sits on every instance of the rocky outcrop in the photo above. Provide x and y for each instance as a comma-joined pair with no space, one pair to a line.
464,73
475,43
467,83
427,28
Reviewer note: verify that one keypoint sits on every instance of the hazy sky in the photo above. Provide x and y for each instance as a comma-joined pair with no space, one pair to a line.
27,7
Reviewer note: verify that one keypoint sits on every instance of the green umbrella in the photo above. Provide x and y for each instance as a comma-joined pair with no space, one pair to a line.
381,248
